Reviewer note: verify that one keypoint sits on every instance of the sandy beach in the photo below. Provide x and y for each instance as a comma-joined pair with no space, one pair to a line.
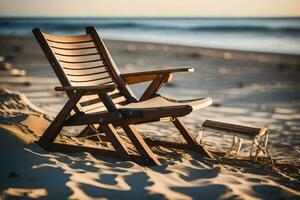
247,88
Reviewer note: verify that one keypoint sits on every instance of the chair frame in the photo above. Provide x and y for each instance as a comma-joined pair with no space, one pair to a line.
109,121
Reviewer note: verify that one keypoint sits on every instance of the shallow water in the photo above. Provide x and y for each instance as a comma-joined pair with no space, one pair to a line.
281,35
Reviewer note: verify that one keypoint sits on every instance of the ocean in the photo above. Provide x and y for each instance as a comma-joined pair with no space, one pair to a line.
276,35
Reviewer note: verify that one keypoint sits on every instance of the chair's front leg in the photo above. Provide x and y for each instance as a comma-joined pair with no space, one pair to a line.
140,144
55,127
116,141
190,139
154,86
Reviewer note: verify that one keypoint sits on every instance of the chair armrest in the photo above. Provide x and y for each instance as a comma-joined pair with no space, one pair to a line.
138,77
88,89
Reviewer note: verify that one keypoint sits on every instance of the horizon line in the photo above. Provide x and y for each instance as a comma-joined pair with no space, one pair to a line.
152,17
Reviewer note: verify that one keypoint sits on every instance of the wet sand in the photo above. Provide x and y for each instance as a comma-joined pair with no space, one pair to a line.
256,89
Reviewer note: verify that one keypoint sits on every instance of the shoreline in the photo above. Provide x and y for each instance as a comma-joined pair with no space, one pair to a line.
206,49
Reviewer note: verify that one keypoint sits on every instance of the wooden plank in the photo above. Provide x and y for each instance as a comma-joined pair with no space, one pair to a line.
79,59
92,103
94,83
82,72
76,52
140,144
115,140
85,65
87,78
88,106
72,46
245,131
88,89
235,127
96,107
68,39
90,99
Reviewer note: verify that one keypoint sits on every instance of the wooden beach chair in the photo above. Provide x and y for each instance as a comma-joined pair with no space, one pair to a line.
100,99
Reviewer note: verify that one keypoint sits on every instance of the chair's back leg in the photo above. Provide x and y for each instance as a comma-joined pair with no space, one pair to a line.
189,138
116,141
55,127
140,144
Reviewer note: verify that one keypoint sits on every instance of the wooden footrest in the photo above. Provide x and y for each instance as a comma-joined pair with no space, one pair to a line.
243,131
258,136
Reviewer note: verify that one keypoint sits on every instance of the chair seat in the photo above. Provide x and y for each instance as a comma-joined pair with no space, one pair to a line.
160,107
163,102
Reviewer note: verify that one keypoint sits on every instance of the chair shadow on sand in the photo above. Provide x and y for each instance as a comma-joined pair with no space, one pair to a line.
36,173
28,171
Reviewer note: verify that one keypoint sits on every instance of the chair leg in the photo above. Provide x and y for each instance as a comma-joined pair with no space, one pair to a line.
116,141
189,138
140,144
89,132
55,127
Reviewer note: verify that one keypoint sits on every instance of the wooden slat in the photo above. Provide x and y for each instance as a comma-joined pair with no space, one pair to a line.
79,59
84,72
119,99
91,83
96,107
84,101
243,130
86,65
78,52
83,45
96,110
68,39
91,99
89,77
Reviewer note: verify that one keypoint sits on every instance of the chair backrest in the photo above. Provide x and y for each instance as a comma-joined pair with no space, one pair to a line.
84,61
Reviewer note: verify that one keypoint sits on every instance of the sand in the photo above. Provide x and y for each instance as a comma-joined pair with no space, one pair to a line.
248,88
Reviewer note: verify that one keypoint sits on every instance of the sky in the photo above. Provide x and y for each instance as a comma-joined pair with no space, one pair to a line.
150,8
